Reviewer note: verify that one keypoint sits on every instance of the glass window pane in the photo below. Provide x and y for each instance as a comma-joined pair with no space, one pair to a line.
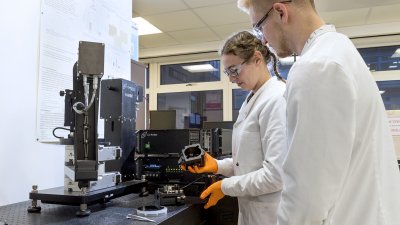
207,71
377,58
381,58
238,97
284,66
390,92
192,108
283,70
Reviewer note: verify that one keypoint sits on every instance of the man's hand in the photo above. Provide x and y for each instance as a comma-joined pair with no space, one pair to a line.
216,194
210,166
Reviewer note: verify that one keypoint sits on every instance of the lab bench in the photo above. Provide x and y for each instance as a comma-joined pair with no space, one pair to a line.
116,211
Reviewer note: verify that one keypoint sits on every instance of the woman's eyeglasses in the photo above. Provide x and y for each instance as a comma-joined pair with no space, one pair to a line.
234,71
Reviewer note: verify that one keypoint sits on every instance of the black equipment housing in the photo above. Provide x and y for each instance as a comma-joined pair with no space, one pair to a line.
118,109
90,63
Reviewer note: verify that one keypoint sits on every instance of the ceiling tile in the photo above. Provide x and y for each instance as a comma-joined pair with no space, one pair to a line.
151,7
194,36
175,21
209,21
346,18
384,14
135,14
202,3
338,5
156,40
225,31
141,46
222,14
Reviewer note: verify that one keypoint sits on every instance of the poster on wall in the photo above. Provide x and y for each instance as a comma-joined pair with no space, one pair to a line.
213,100
135,42
63,24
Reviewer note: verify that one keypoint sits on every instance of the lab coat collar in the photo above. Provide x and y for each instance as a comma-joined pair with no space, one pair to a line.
246,107
314,35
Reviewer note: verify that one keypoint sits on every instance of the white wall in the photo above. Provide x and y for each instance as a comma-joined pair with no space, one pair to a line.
23,161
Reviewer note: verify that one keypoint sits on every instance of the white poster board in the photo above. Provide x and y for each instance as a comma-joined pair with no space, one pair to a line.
63,25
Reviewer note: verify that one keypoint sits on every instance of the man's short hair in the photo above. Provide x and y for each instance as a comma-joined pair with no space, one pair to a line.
245,5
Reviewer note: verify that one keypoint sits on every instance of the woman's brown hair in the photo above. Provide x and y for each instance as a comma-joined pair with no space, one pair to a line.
243,44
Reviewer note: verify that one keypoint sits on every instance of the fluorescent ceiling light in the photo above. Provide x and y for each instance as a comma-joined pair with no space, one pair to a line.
392,66
199,68
145,27
381,92
396,54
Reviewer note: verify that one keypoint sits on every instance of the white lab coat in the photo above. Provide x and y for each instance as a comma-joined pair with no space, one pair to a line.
259,146
341,166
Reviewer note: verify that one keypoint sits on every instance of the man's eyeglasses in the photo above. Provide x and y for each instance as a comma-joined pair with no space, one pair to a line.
234,71
257,28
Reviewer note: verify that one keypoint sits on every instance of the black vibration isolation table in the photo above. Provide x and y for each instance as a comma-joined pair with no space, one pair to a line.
113,212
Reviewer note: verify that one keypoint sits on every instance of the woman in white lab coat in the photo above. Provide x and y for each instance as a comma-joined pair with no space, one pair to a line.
259,135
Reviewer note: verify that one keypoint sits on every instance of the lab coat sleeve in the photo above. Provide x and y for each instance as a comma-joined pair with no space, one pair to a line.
321,129
267,179
225,167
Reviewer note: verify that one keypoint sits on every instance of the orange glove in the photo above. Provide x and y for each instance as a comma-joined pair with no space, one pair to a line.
216,194
210,166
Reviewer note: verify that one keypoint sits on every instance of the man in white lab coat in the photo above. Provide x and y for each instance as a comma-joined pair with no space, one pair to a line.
259,143
341,166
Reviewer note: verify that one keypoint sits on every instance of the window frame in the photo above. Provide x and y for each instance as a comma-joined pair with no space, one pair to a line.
224,84
227,87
